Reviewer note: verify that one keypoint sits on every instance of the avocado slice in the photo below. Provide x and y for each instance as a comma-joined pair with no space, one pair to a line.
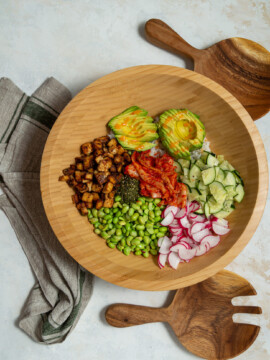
133,127
130,143
181,132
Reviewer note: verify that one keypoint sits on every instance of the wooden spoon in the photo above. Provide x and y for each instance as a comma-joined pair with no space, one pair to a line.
240,65
200,316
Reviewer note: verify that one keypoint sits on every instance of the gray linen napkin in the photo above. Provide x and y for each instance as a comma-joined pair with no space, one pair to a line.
63,288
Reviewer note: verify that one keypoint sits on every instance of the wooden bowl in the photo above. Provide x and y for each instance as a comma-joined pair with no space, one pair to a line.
156,88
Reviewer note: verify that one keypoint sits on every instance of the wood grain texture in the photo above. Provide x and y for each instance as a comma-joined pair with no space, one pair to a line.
240,65
200,316
156,88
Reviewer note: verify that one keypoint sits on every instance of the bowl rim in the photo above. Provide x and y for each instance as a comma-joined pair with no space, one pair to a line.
239,244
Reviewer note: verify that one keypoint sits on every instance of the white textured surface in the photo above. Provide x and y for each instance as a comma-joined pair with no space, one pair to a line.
77,41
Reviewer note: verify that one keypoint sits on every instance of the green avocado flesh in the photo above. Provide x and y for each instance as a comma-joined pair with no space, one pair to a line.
181,132
133,129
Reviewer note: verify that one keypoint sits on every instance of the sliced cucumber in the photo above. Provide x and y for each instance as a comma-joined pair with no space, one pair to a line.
231,192
193,195
184,163
191,184
212,160
225,165
223,214
186,172
203,188
240,193
178,167
195,173
205,155
229,179
227,205
208,176
200,210
207,210
201,164
220,158
218,191
215,206
238,178
220,174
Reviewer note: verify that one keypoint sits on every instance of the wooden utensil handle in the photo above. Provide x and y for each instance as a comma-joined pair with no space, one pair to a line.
162,35
124,315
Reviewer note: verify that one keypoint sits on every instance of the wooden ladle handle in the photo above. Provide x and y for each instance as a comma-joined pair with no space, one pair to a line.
162,35
124,315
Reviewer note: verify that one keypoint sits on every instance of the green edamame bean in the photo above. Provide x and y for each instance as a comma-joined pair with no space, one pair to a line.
122,223
90,215
140,246
150,229
160,234
146,239
115,220
117,198
138,252
127,250
128,226
163,229
142,199
133,247
157,212
157,201
153,252
144,207
110,226
134,217
115,205
111,245
94,220
98,225
145,253
152,245
131,211
147,248
148,199
114,240
103,221
140,227
141,233
157,219
95,213
133,233
123,242
153,236
101,213
107,217
151,206
135,242
104,235
151,214
162,207
97,231
120,247
118,232
142,220
111,232
155,242
156,231
146,211
135,206
115,211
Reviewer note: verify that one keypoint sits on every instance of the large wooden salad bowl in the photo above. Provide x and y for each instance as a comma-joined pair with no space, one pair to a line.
156,88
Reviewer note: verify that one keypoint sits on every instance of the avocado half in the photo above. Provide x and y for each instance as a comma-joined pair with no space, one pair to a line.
181,132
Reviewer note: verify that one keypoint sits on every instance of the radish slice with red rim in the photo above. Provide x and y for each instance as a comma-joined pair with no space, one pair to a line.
196,227
181,213
173,260
165,246
211,240
162,260
175,238
221,222
187,254
220,230
169,209
168,219
160,241
184,222
201,234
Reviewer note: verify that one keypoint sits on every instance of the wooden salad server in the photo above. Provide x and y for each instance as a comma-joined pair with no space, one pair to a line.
201,316
240,65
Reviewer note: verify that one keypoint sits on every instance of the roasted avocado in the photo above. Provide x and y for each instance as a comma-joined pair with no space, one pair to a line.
134,129
181,132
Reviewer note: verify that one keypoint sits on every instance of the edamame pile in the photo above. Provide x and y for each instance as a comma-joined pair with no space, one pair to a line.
130,228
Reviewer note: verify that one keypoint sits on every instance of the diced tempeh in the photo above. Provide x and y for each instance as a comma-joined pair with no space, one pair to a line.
86,148
119,167
79,166
97,188
105,165
113,149
104,139
101,177
81,187
99,204
89,205
98,152
107,188
113,169
97,144
89,185
99,158
118,159
126,157
87,197
88,176
75,198
120,150
68,171
112,142
64,178
111,194
112,179
108,203
95,196
78,159
84,211
78,176
88,162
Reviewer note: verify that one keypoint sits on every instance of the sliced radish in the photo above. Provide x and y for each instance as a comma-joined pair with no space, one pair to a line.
168,219
173,260
181,213
176,247
160,241
196,227
187,254
200,218
194,206
208,224
187,240
169,209
184,222
221,222
175,238
165,246
201,234
201,250
177,232
162,260
220,230
212,240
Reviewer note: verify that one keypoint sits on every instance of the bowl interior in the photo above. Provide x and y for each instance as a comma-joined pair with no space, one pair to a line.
229,129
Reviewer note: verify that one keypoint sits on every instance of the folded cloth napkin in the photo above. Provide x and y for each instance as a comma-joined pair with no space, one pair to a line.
63,288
